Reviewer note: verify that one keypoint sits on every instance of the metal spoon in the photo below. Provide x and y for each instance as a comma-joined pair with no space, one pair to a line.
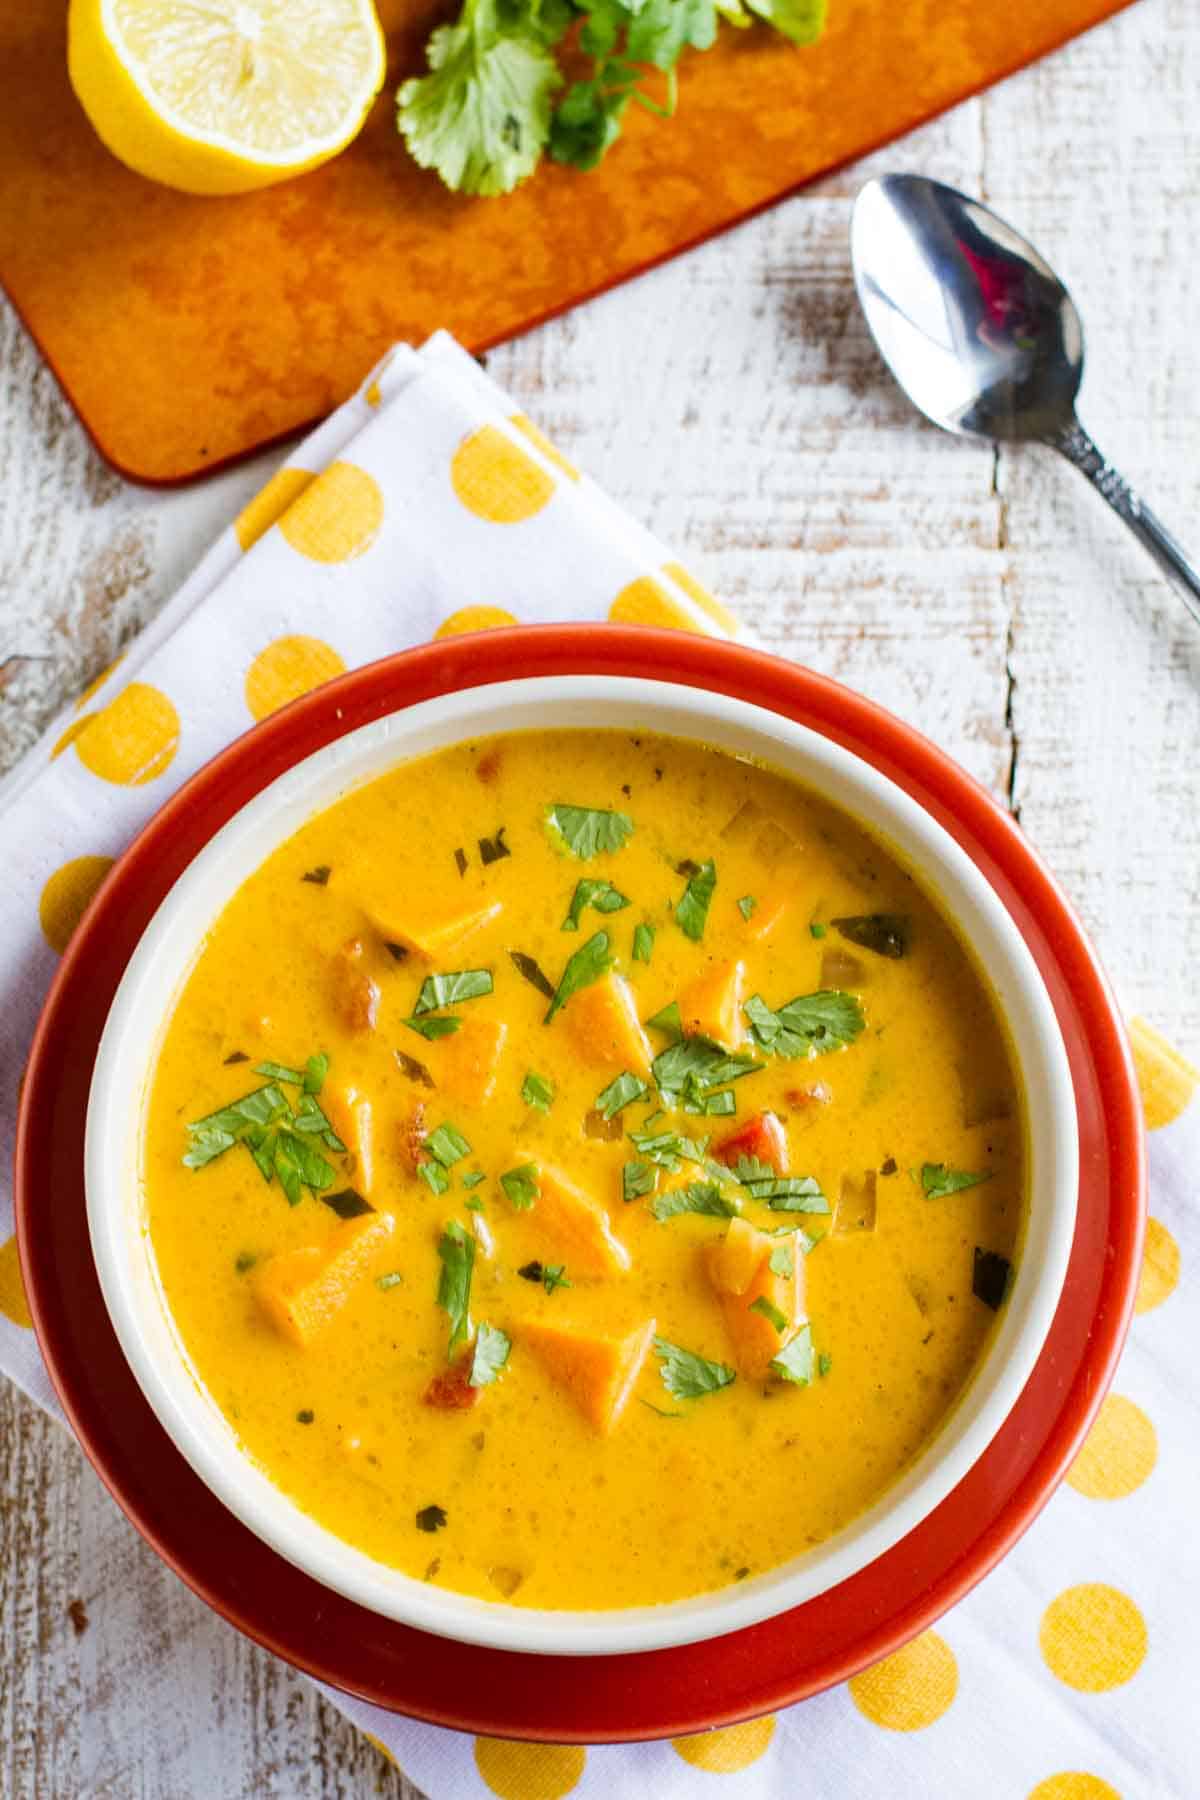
984,338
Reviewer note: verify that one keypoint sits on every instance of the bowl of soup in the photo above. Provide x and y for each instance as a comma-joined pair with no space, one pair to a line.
581,1164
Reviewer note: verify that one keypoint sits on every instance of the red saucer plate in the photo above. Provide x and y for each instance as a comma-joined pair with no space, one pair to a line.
607,1698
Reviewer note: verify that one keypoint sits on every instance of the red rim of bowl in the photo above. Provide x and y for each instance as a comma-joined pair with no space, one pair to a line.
652,1694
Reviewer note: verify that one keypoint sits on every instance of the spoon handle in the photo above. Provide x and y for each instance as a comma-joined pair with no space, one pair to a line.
1074,443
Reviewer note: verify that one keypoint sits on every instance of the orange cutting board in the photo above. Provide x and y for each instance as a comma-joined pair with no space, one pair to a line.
190,331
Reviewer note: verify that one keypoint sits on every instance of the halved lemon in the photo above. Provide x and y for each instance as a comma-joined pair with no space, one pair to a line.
223,96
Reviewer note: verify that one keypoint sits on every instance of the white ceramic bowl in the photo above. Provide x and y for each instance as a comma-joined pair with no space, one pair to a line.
166,953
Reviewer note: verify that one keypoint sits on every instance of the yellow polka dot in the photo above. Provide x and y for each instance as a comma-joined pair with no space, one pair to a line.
1119,1452
67,895
1073,1784
911,1689
725,1752
474,618
495,479
337,517
372,394
700,594
1160,1268
529,1771
270,502
13,1303
541,442
1093,1637
289,667
1166,1079
646,602
133,739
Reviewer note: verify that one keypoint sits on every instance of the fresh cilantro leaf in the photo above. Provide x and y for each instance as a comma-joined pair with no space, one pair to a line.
937,1180
551,1275
315,1071
437,1025
473,1204
280,1072
694,1062
537,1092
448,1145
795,1361
884,933
588,964
600,894
638,1178
692,909
668,1148
492,1347
643,943
474,1178
434,1176
662,29
448,990
770,1312
698,1197
780,1262
662,1411
620,1093
824,1363
348,1203
533,972
810,1025
720,1105
245,1261
220,1131
521,1186
309,1119
586,832
746,906
319,877
802,21
408,1065
991,1278
687,1375
817,931
456,1248
385,1283
782,1193
669,1021
431,1518
481,116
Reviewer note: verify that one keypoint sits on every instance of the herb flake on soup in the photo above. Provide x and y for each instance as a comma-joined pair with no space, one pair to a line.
609,1152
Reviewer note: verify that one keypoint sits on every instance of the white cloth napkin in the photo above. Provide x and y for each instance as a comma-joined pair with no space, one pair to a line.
426,505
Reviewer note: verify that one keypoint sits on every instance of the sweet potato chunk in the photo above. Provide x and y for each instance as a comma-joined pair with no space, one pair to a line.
468,1061
599,1373
350,1115
431,939
300,1291
603,1021
762,1136
753,1335
711,1006
577,1225
356,994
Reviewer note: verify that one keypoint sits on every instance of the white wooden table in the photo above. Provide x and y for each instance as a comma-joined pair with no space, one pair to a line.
733,402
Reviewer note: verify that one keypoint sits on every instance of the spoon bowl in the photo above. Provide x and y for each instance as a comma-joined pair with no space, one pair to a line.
983,336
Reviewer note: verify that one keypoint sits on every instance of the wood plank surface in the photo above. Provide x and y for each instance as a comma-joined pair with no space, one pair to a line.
733,401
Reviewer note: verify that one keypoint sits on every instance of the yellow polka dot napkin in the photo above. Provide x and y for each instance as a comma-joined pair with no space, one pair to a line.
427,507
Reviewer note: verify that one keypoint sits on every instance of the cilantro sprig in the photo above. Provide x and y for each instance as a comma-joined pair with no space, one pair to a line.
282,1138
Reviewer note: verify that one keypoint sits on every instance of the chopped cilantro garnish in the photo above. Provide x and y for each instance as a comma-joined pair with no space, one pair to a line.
937,1180
809,1025
318,877
746,906
600,894
586,832
795,1361
669,1020
668,1148
692,909
473,1178
550,1275
884,933
494,848
448,1145
305,1416
348,1203
991,1278
620,1093
280,1072
431,1518
246,1260
438,1025
770,1312
782,1193
693,1066
276,1135
643,943
385,1283
817,931
687,1375
588,964
473,1204
456,1248
537,1092
408,1065
697,1197
491,1353
662,1411
638,1178
434,1176
781,1263
533,972
521,1185
448,990
720,1105
824,1363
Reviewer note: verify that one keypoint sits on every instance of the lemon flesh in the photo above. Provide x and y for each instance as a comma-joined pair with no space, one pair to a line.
223,96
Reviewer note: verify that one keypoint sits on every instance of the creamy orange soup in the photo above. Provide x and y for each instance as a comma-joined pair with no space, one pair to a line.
585,1169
